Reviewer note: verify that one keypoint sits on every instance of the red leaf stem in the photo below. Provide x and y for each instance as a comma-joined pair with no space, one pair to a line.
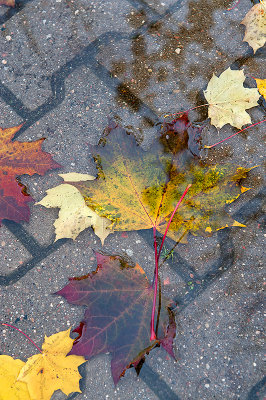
11,326
229,137
153,335
183,112
172,216
157,256
229,9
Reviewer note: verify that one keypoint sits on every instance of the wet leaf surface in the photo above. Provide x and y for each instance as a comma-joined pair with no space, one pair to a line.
118,300
139,189
181,135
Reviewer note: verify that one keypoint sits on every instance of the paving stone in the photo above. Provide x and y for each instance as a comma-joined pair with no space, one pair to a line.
66,66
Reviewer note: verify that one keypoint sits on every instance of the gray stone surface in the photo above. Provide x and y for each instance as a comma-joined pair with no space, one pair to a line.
66,66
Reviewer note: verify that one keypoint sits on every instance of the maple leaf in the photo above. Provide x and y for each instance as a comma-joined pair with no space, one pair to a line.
52,369
119,302
11,388
74,215
139,189
255,22
228,99
261,84
9,3
18,158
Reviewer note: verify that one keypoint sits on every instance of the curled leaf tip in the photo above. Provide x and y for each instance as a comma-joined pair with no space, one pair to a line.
244,189
236,223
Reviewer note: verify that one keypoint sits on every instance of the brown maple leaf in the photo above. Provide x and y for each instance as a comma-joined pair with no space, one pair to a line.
18,158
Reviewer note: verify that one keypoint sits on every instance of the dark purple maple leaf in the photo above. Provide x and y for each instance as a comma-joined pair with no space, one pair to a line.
117,318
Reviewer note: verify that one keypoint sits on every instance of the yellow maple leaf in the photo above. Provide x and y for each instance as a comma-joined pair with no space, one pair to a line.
255,22
74,215
10,388
228,99
52,369
261,83
137,189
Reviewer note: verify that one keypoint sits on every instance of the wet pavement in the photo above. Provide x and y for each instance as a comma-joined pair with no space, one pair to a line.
66,66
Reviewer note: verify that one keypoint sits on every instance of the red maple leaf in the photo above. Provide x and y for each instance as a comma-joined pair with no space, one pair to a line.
9,3
119,303
18,158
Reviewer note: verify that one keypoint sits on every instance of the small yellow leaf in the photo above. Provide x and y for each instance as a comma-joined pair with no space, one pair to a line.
228,99
255,22
236,223
74,215
261,83
208,229
244,189
52,369
10,388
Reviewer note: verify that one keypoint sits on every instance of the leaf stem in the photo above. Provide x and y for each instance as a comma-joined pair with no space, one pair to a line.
229,137
11,326
229,9
153,335
157,256
172,216
202,105
183,112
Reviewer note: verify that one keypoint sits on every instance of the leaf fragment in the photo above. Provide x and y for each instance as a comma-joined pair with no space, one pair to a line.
10,387
181,135
255,22
261,84
118,300
9,3
53,369
228,99
74,216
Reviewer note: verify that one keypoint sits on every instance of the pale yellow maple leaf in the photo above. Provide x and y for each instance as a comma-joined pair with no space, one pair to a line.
74,215
255,22
10,388
228,99
52,369
261,83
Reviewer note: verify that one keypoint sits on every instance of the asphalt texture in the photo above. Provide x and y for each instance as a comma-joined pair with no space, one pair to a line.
66,66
